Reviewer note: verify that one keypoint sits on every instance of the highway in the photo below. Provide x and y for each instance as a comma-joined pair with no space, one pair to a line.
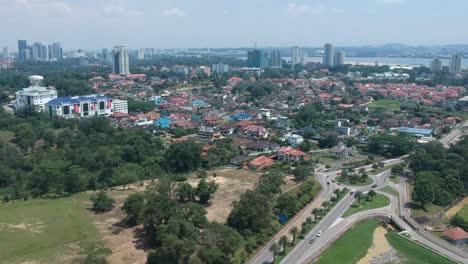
455,134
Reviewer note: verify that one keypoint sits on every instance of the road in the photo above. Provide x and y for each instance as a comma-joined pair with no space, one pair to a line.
455,134
304,249
264,255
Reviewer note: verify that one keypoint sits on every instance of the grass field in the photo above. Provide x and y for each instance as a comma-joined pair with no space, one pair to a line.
413,253
430,209
352,246
395,179
464,212
44,230
390,105
378,201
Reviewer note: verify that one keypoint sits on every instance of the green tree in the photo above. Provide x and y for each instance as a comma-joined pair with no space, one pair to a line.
423,192
94,252
133,206
283,241
205,190
325,205
183,156
301,173
371,194
186,192
358,196
294,231
102,202
274,249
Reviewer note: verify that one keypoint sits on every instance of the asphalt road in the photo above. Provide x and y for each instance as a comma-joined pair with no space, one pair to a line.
304,249
454,135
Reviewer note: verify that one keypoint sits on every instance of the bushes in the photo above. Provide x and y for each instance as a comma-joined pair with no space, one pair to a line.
102,202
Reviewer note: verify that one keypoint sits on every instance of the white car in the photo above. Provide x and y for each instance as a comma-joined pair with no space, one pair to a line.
319,234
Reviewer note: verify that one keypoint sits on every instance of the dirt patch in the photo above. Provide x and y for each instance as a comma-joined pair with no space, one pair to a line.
381,251
454,209
35,227
232,183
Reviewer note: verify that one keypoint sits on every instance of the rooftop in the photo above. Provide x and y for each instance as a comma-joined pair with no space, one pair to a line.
456,233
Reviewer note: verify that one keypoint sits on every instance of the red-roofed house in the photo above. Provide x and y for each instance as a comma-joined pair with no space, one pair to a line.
234,80
456,236
290,155
261,162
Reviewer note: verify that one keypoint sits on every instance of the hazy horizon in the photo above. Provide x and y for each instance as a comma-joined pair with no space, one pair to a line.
162,24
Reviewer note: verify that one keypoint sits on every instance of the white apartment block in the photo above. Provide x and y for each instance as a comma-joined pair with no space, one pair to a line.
120,106
35,95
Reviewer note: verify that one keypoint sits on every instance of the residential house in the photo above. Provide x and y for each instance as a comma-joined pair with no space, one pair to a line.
255,132
263,146
239,160
261,163
293,139
341,151
283,123
163,122
241,116
456,236
289,154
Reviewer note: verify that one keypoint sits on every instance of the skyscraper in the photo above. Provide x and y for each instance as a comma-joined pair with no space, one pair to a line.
256,59
140,54
5,53
328,55
120,60
22,45
34,52
275,59
436,65
455,63
339,58
295,56
57,50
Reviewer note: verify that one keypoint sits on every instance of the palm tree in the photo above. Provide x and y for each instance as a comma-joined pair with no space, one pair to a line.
283,241
274,248
362,170
358,195
315,212
333,199
308,221
337,192
321,212
294,230
325,205
303,229
371,194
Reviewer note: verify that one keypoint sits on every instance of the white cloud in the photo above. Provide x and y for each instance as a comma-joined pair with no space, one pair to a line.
44,6
295,10
390,2
174,12
117,10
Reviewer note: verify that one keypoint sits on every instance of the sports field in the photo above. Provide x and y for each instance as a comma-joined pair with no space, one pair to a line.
45,231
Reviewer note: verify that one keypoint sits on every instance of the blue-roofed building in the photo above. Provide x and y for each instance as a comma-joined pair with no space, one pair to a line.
159,101
420,132
199,103
163,122
80,106
241,116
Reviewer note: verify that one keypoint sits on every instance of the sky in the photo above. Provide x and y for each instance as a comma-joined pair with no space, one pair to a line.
93,24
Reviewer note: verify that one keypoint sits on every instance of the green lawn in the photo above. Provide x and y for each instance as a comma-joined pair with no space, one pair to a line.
464,212
352,246
430,209
395,179
378,201
390,105
43,229
390,190
413,253
346,181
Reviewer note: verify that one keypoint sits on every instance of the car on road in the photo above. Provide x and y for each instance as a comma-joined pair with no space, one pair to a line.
375,185
351,193
319,234
311,241
333,180
328,183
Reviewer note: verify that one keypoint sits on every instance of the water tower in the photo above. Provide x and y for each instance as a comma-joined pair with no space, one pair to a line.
35,80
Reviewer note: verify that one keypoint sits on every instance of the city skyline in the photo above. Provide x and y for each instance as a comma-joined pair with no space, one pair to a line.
177,23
